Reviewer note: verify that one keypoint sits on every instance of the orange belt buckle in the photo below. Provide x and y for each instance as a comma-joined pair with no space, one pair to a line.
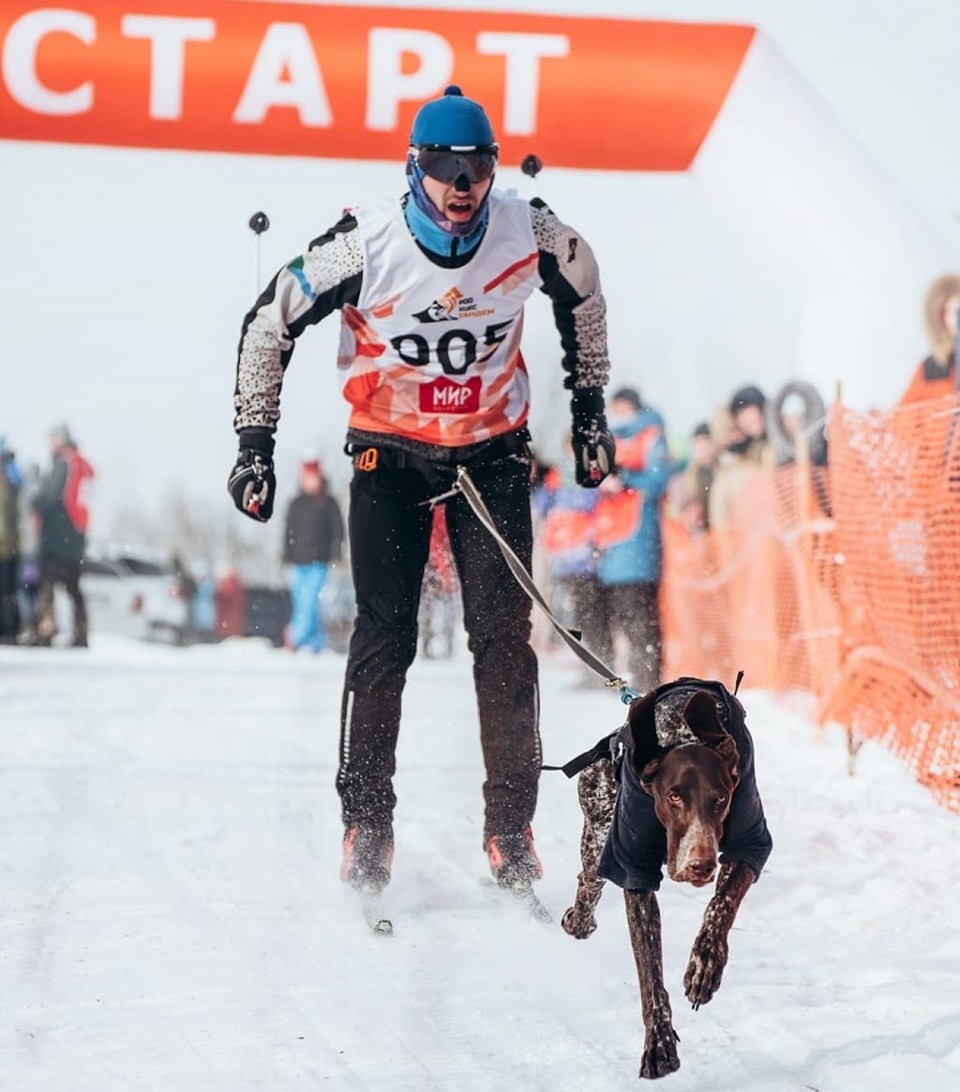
368,459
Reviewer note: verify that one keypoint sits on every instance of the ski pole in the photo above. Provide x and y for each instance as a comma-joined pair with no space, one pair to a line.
258,223
531,166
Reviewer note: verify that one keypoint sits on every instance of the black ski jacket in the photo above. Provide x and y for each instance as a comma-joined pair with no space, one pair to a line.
314,530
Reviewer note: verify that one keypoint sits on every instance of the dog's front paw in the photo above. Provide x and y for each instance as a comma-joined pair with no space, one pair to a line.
705,969
578,923
660,1052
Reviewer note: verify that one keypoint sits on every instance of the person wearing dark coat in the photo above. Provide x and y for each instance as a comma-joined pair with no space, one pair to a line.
61,508
313,541
9,545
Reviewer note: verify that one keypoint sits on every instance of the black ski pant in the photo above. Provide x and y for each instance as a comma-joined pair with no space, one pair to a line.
389,528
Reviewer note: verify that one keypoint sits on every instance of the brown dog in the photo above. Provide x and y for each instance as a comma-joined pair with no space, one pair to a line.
678,788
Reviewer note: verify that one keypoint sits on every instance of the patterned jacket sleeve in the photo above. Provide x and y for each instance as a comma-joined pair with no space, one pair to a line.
305,291
571,279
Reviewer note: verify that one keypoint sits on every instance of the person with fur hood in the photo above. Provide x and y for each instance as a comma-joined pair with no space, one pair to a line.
936,375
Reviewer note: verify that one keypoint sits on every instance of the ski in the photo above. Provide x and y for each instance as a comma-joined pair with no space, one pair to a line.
371,906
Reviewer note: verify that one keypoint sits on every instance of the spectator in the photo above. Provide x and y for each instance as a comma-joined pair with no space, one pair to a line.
187,589
628,534
62,508
312,543
203,608
690,487
230,602
432,289
565,517
9,546
29,578
796,424
744,450
936,374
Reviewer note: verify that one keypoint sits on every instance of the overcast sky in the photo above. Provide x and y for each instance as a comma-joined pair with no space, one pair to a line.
126,274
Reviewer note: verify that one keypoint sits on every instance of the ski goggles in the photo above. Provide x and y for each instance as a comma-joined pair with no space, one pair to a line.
446,165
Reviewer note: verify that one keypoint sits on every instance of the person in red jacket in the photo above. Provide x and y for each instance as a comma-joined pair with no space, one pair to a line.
936,374
61,507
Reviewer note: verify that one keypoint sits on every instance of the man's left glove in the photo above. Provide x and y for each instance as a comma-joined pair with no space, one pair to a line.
252,482
593,446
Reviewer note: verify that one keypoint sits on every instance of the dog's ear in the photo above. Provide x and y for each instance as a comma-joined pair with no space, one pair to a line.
700,714
644,751
647,774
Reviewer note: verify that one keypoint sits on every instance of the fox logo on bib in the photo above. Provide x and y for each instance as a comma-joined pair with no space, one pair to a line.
443,309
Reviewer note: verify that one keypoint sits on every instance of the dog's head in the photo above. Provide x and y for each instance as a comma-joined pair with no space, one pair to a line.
692,783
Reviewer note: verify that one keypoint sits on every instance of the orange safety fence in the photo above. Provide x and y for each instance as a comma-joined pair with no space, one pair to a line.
843,582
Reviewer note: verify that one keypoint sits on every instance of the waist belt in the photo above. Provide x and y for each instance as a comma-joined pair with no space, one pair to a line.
447,459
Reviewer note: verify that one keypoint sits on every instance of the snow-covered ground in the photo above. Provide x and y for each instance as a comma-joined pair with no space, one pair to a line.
172,919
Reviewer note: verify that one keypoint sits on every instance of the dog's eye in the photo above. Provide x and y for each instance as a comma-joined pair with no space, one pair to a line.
721,800
674,797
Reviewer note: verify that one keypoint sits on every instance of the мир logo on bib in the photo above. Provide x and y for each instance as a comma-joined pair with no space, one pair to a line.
442,395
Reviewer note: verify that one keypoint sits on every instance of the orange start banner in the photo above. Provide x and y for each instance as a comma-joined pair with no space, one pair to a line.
345,82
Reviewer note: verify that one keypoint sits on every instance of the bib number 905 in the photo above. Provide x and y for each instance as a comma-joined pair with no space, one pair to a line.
455,350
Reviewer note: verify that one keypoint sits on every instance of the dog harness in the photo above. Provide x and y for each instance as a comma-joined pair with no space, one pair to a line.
636,846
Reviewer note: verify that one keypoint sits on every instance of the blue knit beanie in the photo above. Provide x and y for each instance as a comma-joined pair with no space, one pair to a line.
453,121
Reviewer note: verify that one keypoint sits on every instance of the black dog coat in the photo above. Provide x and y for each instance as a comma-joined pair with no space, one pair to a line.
636,847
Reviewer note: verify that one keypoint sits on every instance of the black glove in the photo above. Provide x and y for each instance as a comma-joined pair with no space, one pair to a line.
593,446
252,482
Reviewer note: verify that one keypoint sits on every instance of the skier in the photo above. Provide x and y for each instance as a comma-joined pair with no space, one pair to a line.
431,289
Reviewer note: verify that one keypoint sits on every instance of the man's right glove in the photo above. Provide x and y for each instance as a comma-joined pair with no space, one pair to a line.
252,482
593,446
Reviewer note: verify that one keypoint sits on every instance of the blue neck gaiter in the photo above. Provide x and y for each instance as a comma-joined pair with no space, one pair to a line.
429,227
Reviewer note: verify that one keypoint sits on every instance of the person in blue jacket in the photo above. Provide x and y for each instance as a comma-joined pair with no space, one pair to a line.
628,537
565,520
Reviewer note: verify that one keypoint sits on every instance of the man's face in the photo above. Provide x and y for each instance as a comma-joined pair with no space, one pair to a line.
456,201
950,309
